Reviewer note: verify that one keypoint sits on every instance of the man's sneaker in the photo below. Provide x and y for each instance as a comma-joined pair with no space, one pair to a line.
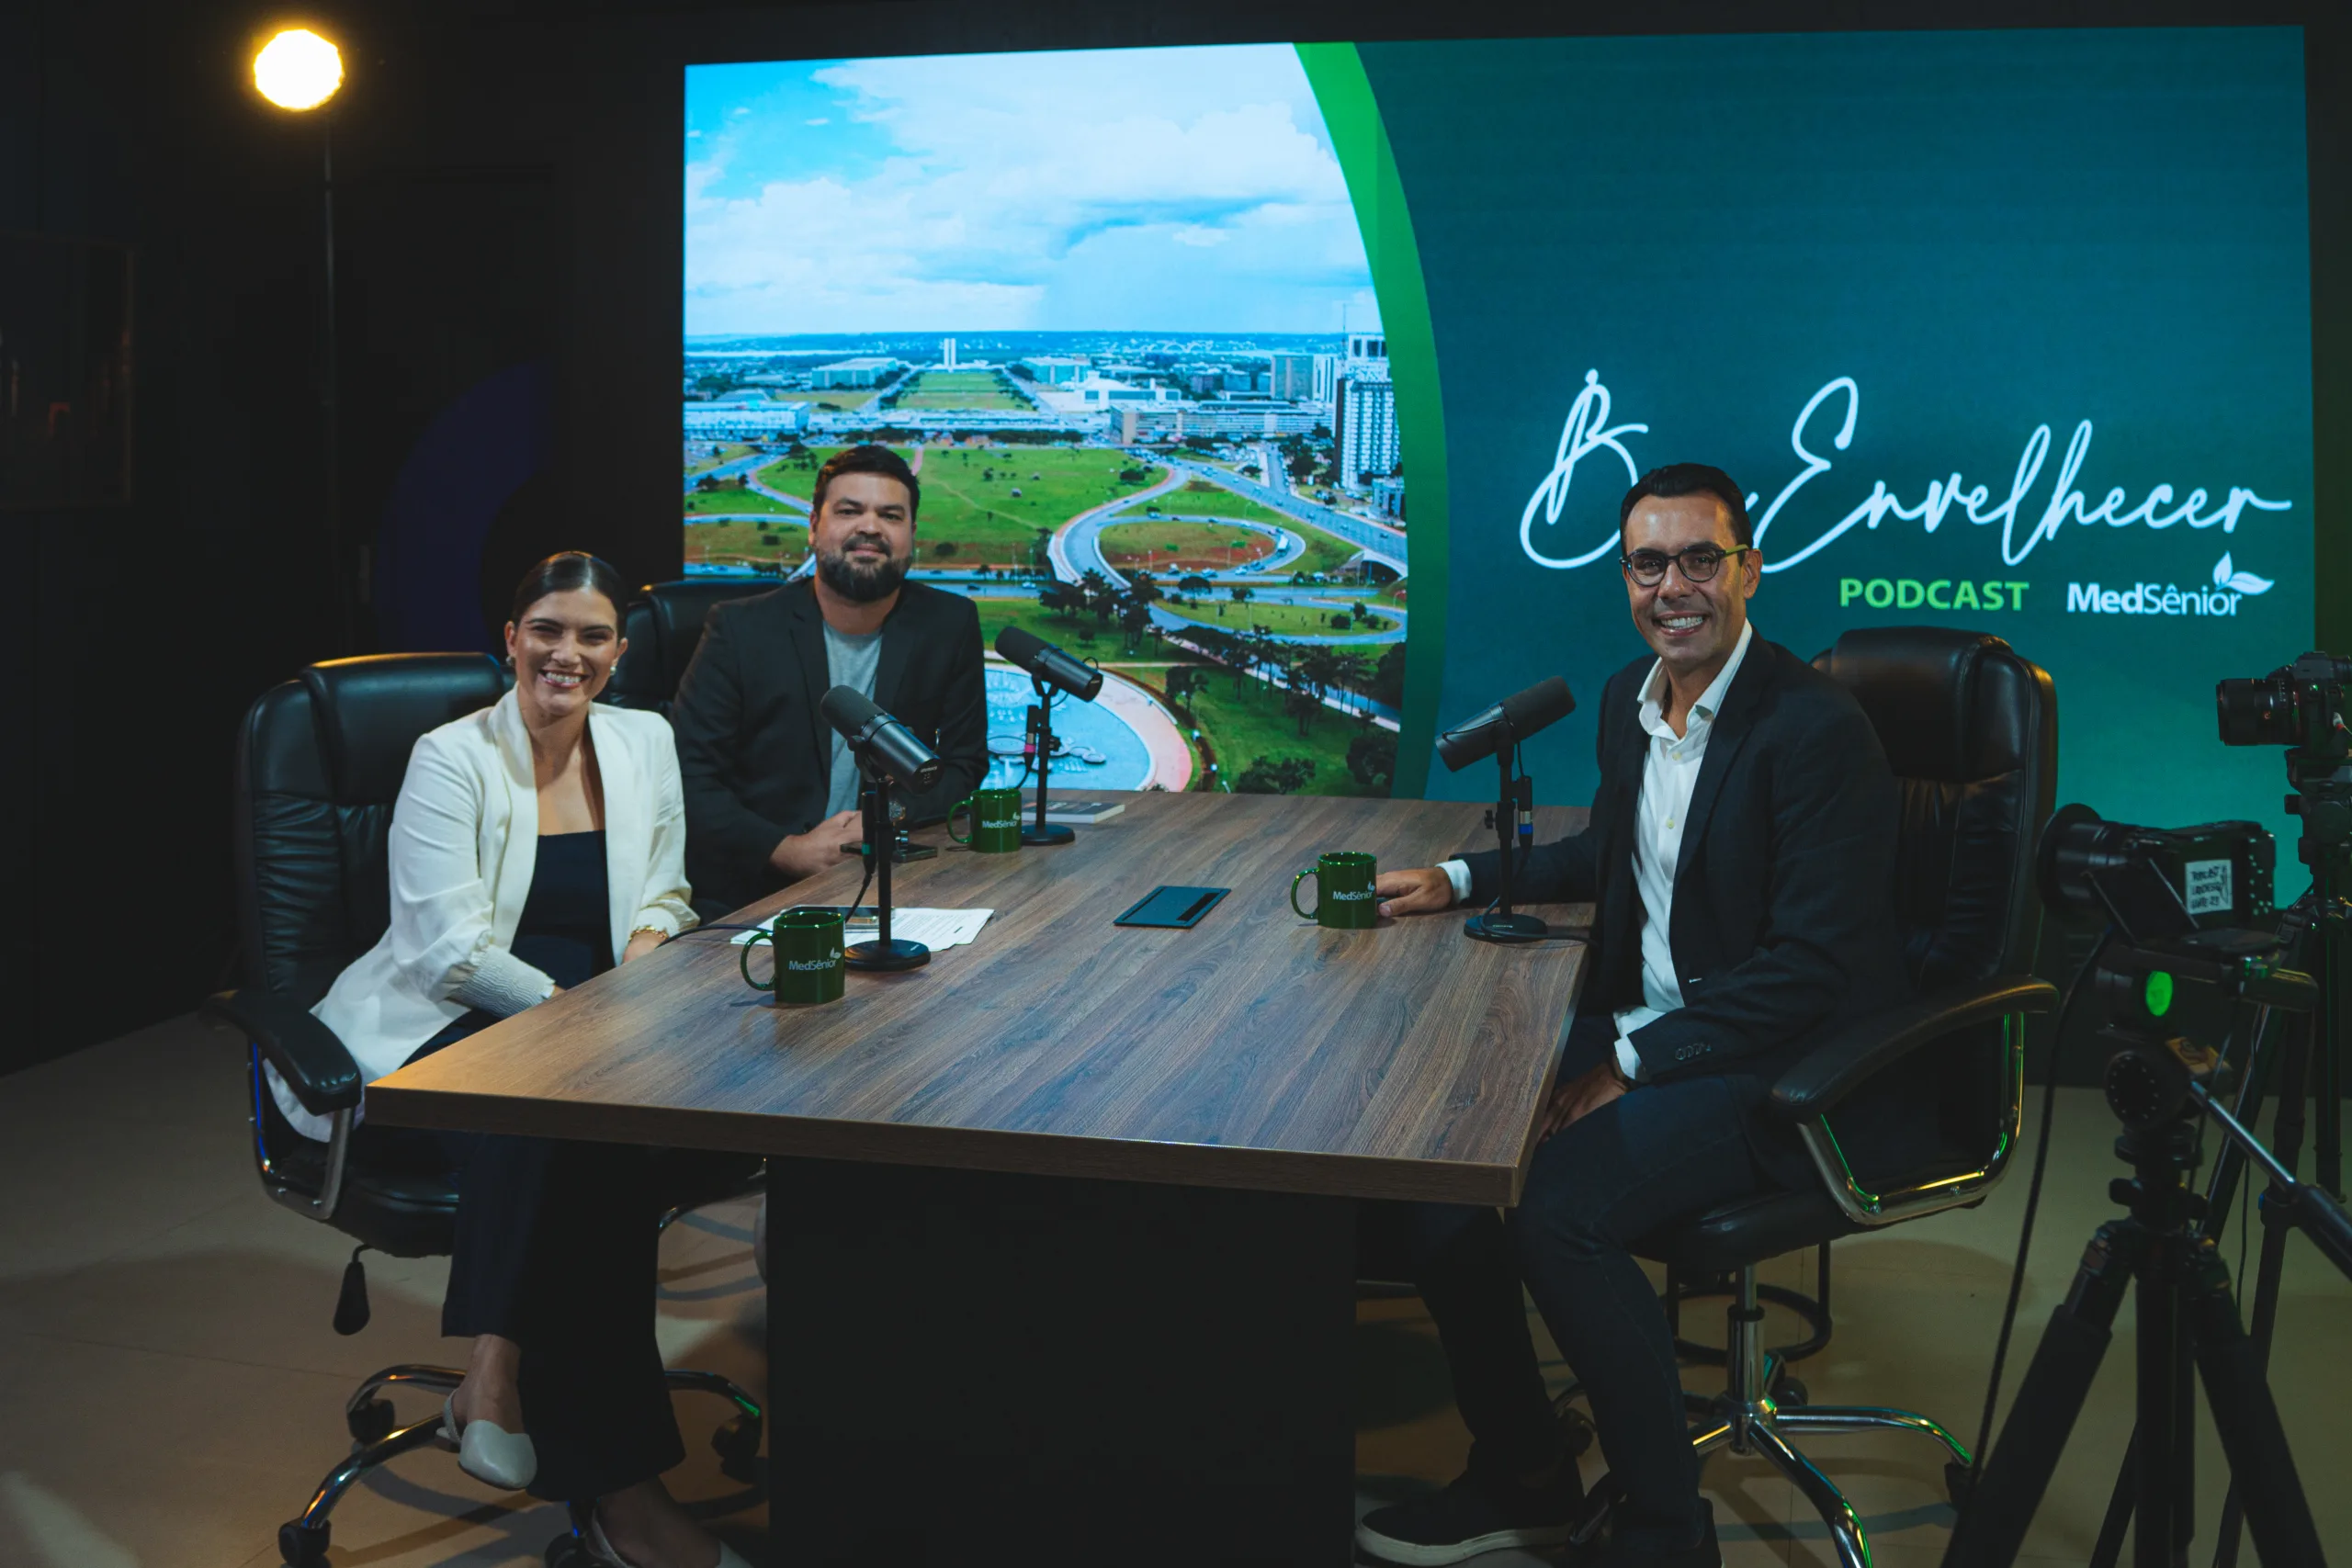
1477,1513
1614,1553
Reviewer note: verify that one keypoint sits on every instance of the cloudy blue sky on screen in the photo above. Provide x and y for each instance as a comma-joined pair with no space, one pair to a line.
1130,190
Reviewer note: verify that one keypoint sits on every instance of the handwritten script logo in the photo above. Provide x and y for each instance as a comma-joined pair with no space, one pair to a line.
1587,432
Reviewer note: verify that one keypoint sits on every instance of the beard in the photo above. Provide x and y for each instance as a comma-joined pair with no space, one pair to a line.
857,581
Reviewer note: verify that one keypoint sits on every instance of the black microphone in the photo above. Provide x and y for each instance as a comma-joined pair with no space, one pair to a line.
880,742
1049,663
1519,716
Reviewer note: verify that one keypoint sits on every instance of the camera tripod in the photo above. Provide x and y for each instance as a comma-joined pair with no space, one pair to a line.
2185,1317
2308,1063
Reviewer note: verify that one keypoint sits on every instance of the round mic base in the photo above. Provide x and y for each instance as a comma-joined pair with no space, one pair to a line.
1034,836
886,955
1506,928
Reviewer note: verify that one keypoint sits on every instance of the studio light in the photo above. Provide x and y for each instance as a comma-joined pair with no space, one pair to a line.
297,69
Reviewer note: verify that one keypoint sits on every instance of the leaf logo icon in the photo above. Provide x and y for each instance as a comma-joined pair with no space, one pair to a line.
2225,576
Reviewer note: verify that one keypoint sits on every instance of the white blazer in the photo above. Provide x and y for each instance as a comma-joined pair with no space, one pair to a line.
464,842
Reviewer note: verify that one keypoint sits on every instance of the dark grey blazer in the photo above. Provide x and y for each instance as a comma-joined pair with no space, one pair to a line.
755,755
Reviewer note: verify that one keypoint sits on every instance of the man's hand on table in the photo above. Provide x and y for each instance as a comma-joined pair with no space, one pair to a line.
1421,891
819,848
1581,1096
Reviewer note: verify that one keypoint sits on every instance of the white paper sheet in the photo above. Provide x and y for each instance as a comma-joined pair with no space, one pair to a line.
934,928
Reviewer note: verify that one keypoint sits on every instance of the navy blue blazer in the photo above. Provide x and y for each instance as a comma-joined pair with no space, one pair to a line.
1783,921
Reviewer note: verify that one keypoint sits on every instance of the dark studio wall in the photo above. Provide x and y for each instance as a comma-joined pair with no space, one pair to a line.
509,276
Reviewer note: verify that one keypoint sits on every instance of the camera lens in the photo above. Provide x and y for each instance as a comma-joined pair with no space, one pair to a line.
2256,713
2074,843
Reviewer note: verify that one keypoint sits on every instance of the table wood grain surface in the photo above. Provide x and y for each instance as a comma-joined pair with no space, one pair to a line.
1256,1050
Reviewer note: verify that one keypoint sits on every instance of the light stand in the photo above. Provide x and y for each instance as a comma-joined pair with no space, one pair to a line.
884,953
1041,736
1514,831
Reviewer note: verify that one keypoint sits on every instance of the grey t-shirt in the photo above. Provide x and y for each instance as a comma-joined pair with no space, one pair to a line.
849,662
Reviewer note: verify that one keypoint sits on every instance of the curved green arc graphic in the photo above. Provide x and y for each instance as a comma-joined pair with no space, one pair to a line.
1351,114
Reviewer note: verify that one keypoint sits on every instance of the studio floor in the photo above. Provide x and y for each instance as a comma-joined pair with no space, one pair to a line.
171,1387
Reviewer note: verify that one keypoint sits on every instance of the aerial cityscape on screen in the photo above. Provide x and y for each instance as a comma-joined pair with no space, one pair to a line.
1115,307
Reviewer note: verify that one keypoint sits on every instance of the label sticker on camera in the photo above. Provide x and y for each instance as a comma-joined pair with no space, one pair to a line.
2208,892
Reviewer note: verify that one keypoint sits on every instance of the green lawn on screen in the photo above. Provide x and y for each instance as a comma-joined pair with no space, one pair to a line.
1283,620
980,391
1204,498
1239,723
702,462
1066,631
1244,722
743,544
727,498
967,499
1170,545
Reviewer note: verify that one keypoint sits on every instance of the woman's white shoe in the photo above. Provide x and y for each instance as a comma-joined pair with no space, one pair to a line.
601,1548
489,1452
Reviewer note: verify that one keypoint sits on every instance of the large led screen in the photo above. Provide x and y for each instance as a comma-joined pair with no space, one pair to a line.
1299,385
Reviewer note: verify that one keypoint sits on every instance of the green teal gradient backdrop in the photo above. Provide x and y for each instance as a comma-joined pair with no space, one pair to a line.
1987,231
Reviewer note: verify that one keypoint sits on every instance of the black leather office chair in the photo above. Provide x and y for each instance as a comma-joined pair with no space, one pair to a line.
1972,731
319,763
663,626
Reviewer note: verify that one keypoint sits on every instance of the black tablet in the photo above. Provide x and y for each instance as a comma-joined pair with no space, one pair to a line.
1179,907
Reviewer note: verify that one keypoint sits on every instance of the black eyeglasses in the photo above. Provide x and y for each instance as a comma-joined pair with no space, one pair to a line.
1699,563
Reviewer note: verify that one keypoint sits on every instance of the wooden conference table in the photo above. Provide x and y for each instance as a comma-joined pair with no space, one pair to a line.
1062,1244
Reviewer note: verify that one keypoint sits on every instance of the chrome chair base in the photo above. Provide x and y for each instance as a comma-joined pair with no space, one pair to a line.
1750,1417
377,1438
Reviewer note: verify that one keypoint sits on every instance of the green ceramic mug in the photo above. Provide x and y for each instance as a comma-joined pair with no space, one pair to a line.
996,821
807,956
1343,893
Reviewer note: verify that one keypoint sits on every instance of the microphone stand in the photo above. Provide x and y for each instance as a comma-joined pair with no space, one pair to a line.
1040,733
881,838
1514,825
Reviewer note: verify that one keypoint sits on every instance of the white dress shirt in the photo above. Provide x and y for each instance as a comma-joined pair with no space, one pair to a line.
1669,774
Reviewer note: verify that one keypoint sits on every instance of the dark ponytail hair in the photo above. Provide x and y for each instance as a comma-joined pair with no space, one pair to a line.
562,572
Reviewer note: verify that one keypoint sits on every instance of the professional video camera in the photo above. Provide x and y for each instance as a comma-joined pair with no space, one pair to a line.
2299,704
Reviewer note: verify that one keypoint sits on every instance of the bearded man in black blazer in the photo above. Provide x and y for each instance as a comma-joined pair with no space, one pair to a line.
771,793
1740,855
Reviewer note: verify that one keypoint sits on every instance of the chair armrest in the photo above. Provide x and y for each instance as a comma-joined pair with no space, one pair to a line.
305,1051
1837,1066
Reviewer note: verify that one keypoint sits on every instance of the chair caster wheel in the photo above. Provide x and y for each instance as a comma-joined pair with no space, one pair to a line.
301,1545
1577,1426
567,1550
738,1446
1791,1392
1959,1483
371,1422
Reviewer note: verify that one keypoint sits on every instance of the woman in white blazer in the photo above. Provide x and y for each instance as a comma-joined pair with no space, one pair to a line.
534,843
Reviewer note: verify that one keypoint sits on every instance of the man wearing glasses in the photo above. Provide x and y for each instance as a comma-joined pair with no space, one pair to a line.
1741,859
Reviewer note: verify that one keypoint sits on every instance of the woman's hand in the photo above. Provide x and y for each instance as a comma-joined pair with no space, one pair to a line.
1580,1097
642,943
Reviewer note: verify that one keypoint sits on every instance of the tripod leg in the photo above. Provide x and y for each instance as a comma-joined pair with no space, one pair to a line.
2156,1448
2331,933
1993,1525
2229,1166
2109,1545
2287,1144
2248,1420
